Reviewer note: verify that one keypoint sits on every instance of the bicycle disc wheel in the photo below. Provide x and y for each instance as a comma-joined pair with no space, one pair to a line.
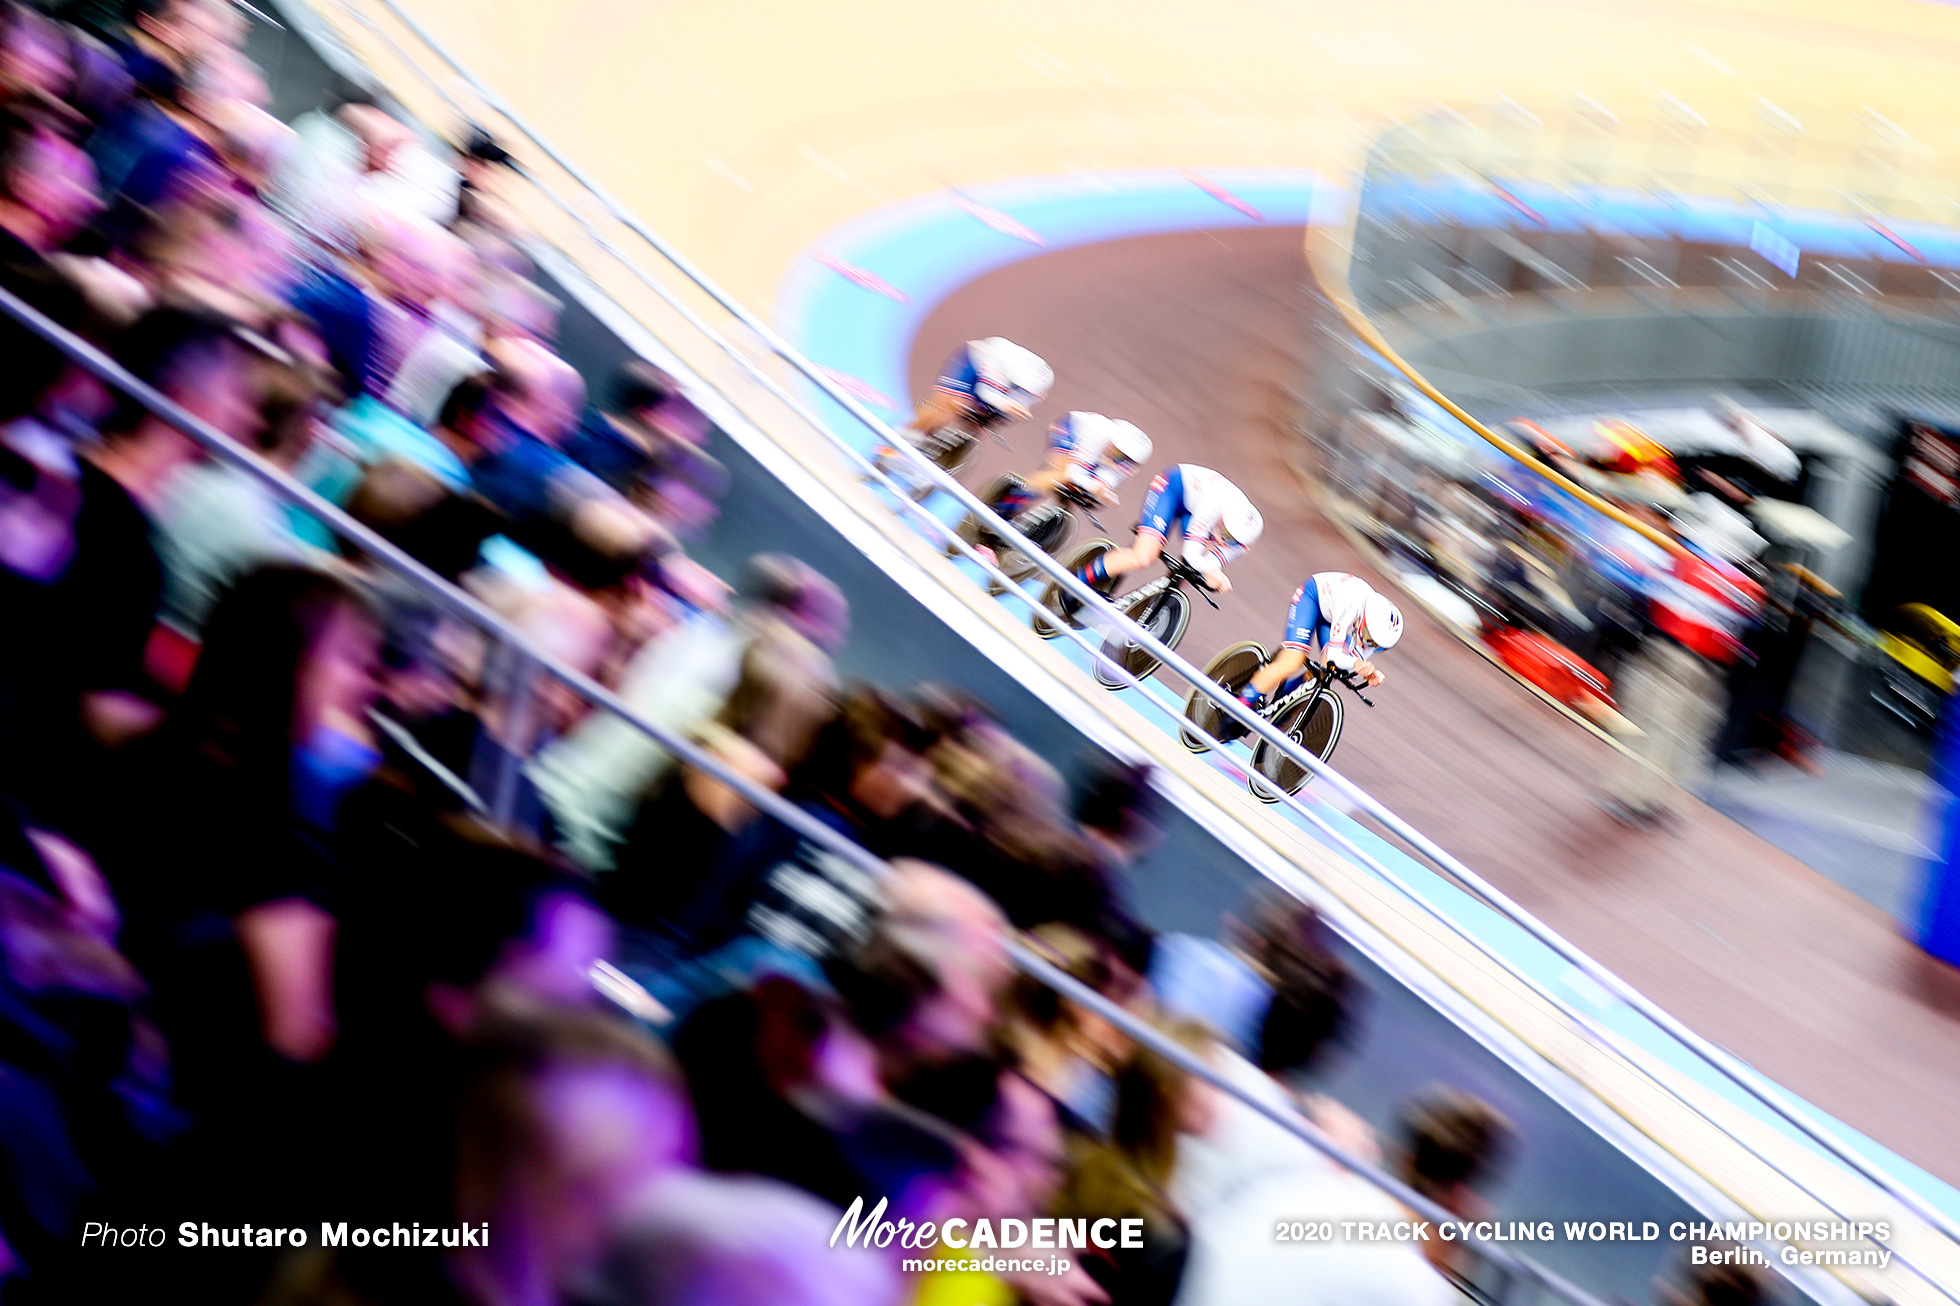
1050,618
1314,726
1229,671
1165,615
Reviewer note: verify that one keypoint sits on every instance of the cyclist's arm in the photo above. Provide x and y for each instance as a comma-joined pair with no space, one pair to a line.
1092,477
1348,656
1341,644
1213,561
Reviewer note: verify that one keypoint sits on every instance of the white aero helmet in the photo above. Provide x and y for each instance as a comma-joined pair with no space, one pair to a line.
1240,522
1381,621
1129,443
1009,376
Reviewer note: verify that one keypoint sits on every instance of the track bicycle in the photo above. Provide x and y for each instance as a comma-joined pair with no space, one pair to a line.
1161,607
1310,714
1047,524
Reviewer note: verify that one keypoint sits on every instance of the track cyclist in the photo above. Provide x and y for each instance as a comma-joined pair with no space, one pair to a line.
1215,519
1345,617
1088,454
985,384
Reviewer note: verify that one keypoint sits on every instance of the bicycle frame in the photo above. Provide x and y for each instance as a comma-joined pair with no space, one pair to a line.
1320,676
1177,575
1156,588
1073,496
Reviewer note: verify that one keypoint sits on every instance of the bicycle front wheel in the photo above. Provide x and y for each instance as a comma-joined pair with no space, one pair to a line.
1165,615
1315,726
1229,671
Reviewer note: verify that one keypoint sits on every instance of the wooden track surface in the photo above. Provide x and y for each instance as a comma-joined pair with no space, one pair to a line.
745,132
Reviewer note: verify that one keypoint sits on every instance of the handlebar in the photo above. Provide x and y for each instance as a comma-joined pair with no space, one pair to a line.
1353,682
1180,570
1068,492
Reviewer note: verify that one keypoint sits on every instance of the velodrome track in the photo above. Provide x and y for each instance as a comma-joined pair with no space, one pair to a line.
746,142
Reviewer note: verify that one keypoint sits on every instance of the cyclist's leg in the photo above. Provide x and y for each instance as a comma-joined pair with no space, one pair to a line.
1104,571
1029,492
1302,623
1277,674
1280,675
937,409
1107,568
1008,505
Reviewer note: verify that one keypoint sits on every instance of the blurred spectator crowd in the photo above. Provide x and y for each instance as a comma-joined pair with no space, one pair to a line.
1688,652
315,905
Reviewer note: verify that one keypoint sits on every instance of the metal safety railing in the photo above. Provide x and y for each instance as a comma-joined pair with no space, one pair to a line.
1108,618
1519,1272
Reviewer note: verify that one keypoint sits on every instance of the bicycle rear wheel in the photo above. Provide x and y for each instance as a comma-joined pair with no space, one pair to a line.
1165,615
1048,528
1229,671
948,448
1315,726
1053,616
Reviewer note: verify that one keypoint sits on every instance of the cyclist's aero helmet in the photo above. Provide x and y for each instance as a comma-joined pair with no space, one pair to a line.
1240,522
1009,376
1381,622
1129,443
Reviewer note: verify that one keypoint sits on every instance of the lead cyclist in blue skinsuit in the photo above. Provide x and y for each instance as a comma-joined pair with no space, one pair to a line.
1345,617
